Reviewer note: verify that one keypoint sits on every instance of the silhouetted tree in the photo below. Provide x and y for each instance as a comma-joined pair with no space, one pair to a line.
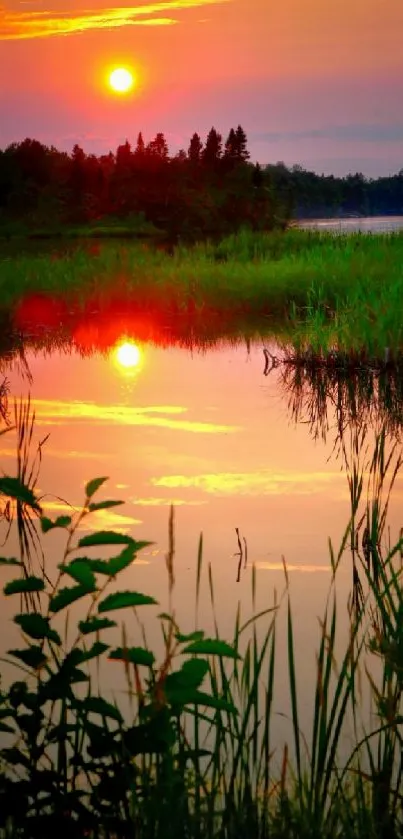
213,149
230,149
195,149
241,145
158,147
257,176
140,147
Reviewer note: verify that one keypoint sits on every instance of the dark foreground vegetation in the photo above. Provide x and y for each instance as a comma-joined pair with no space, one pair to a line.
323,293
193,751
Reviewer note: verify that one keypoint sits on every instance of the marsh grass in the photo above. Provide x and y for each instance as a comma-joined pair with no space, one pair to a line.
334,292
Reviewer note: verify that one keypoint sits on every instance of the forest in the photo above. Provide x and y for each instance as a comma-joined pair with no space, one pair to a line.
210,189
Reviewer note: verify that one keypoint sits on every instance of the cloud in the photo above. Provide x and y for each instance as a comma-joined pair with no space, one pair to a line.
360,133
18,25
53,412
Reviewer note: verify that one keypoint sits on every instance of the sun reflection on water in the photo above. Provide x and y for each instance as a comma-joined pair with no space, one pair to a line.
127,356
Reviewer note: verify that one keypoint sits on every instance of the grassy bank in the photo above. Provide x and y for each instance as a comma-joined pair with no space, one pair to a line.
195,756
134,226
332,291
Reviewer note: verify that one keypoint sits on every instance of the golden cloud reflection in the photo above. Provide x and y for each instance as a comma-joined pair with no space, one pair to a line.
102,519
303,568
252,483
154,501
49,411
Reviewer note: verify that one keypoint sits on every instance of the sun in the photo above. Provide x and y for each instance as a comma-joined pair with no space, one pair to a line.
128,355
121,80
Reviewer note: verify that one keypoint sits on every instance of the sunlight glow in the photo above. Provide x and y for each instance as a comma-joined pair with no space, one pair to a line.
121,80
128,355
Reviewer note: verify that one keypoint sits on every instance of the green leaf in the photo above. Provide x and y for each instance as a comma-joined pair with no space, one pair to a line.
212,646
14,488
95,625
193,671
12,561
80,570
98,705
181,696
111,567
193,636
36,626
66,596
24,585
125,599
93,486
78,656
134,655
125,558
32,656
104,537
59,684
186,680
208,701
104,505
48,524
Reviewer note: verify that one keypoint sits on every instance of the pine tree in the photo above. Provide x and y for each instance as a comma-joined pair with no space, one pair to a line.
213,149
158,147
140,147
123,155
241,144
230,150
257,176
195,149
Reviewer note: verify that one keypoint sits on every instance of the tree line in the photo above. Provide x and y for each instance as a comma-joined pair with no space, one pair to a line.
210,188
308,195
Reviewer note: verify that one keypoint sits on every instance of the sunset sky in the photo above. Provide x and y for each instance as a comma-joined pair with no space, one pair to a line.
312,82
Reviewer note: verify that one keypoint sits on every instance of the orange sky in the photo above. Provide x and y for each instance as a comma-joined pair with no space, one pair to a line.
311,82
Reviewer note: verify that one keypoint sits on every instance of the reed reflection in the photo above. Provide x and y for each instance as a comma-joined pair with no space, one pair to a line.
362,408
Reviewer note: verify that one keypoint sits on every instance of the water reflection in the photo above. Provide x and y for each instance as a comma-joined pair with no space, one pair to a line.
266,466
362,411
329,396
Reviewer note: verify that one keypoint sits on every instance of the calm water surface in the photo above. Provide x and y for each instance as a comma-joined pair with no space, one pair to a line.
371,224
209,433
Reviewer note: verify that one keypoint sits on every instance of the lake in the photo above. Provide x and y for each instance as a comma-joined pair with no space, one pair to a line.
232,445
370,224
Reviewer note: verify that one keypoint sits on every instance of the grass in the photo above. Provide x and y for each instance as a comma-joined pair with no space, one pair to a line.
135,226
339,293
196,756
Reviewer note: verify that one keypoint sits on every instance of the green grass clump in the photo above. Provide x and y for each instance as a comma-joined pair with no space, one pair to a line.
333,292
194,755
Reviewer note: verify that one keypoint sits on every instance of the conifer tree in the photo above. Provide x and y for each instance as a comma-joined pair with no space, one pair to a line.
241,145
213,149
195,149
231,146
